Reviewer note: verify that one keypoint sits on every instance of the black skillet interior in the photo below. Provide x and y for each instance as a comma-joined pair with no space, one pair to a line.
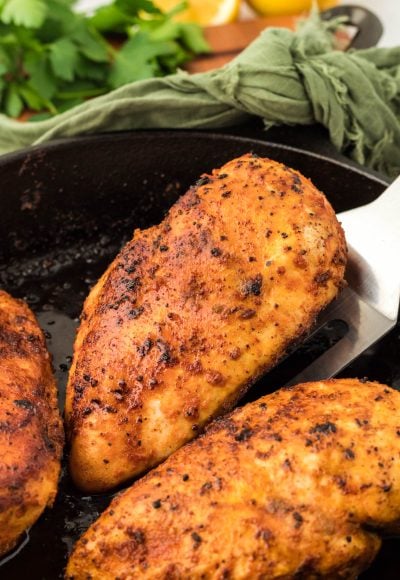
66,208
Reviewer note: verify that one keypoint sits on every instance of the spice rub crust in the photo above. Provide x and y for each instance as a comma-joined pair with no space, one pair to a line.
31,432
193,311
299,484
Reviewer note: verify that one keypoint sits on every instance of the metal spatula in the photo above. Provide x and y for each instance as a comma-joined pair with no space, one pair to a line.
369,305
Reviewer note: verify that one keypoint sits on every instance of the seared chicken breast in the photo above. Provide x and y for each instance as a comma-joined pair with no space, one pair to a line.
299,484
31,433
193,311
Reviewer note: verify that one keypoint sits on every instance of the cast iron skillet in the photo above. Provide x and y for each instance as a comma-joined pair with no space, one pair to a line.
67,207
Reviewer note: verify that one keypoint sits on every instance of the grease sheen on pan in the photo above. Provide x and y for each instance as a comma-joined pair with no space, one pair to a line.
299,484
31,433
194,310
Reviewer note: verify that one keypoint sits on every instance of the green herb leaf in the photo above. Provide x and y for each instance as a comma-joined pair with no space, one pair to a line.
29,13
137,60
52,58
64,58
31,97
41,77
92,46
193,38
13,102
133,7
110,19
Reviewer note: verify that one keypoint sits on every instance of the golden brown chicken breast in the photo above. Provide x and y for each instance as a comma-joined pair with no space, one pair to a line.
192,311
299,484
31,433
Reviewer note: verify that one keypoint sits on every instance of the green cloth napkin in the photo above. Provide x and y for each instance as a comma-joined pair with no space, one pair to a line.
285,77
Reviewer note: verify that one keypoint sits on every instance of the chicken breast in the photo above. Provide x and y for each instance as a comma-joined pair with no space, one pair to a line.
299,484
193,311
31,433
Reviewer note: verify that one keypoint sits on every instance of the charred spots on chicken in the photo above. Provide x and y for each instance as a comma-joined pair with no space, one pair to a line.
204,180
205,488
215,378
136,534
339,258
349,454
244,434
89,379
24,404
135,312
131,267
166,354
197,539
247,314
195,367
252,286
287,465
264,534
327,428
386,487
49,444
78,392
131,284
296,184
216,252
192,412
298,519
191,199
235,353
145,348
299,261
322,278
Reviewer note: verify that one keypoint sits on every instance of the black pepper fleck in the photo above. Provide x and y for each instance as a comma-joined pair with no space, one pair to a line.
196,539
349,454
244,434
325,428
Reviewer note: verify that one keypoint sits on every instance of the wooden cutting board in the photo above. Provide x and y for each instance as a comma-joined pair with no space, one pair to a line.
228,40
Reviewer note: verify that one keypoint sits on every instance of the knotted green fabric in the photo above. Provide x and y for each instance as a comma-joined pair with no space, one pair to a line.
285,77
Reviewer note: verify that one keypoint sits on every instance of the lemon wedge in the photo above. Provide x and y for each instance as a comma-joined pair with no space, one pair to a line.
204,12
284,7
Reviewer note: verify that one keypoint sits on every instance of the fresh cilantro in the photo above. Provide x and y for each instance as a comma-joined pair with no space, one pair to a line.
63,58
29,13
138,59
53,58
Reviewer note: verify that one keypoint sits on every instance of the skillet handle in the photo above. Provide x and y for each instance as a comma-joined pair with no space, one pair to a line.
369,27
